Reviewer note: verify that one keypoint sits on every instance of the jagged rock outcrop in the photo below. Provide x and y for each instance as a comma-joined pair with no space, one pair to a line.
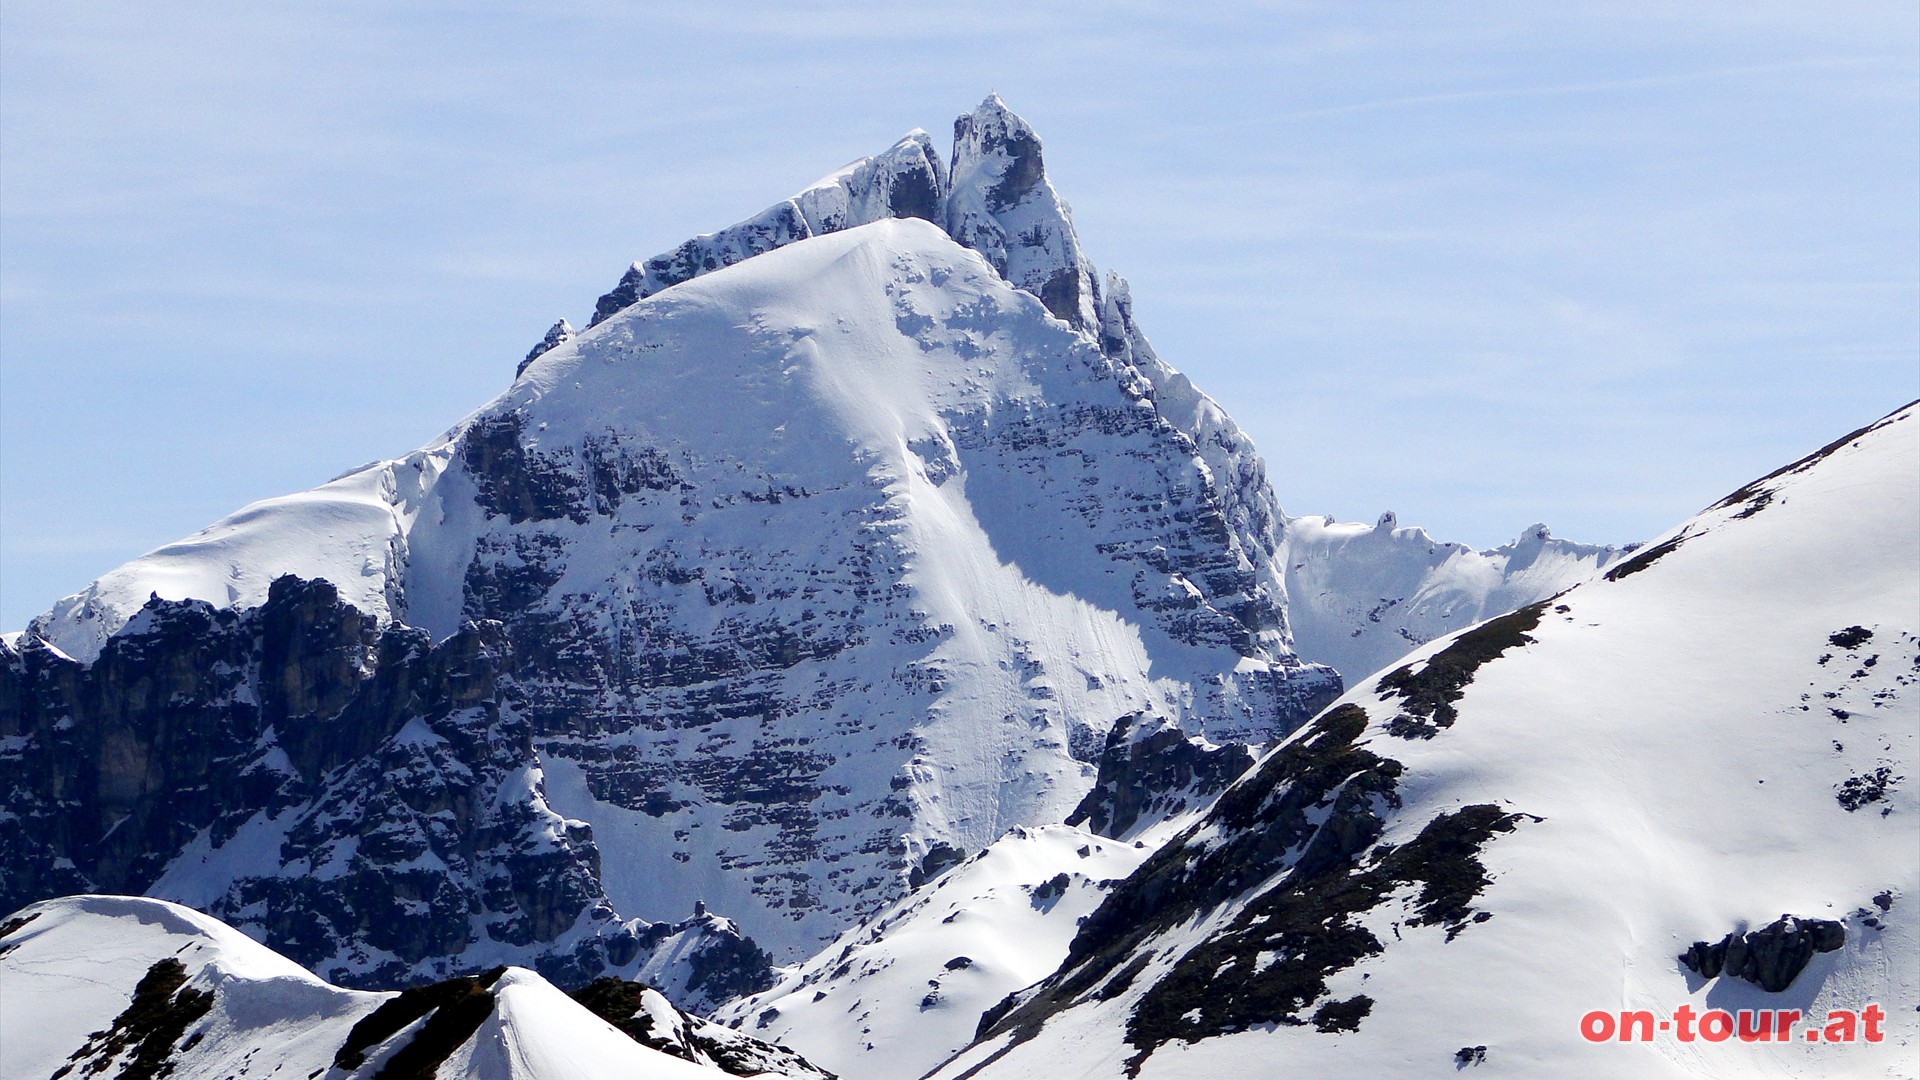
647,1017
558,334
1359,598
1770,957
1150,771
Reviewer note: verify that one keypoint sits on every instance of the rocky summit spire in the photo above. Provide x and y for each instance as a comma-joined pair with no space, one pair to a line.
558,334
908,181
996,200
1003,206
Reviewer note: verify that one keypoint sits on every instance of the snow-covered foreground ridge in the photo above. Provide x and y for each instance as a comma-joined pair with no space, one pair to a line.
91,983
1680,791
836,544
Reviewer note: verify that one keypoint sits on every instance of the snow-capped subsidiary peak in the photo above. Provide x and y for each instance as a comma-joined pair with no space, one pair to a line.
1360,597
1598,803
350,531
160,990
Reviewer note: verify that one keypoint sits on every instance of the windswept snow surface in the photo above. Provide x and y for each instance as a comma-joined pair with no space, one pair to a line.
899,994
537,1031
1723,732
69,968
351,531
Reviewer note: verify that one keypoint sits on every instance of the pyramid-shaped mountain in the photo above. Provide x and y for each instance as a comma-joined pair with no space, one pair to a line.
832,548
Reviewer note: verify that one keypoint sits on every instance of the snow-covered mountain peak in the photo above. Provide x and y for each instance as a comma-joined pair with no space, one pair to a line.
161,990
801,569
841,539
908,180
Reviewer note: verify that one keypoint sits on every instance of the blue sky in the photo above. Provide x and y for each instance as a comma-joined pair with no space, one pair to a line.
1481,264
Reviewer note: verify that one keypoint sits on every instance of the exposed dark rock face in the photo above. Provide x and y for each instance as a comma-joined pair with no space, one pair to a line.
1427,696
9,926
1152,770
517,483
1851,638
1770,957
559,334
650,1020
393,782
144,1036
453,1008
939,859
1285,846
1646,557
1003,206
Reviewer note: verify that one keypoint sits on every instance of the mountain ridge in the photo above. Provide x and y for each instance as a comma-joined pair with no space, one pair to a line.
1531,821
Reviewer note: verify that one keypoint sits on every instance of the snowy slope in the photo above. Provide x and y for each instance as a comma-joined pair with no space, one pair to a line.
1534,819
88,982
904,991
907,988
